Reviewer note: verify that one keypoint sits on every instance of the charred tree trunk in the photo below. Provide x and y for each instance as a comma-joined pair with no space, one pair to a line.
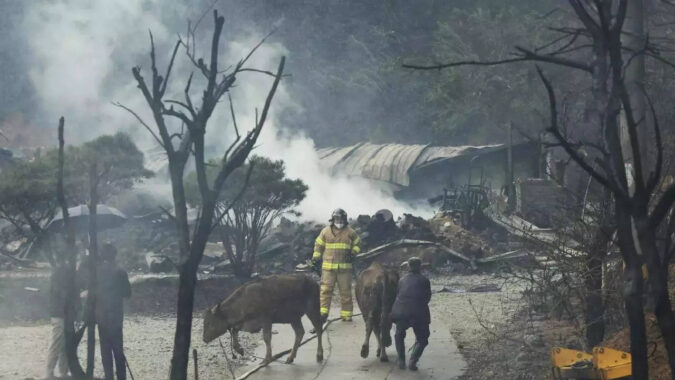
186,294
636,320
634,40
191,142
593,280
595,304
632,293
72,299
658,289
92,264
182,337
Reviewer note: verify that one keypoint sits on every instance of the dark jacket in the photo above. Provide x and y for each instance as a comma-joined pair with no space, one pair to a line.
412,300
58,291
112,286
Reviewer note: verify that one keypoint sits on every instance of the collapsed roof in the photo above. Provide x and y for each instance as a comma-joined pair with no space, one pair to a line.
394,162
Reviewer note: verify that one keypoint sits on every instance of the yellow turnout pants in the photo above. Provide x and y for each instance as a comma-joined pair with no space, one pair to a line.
343,277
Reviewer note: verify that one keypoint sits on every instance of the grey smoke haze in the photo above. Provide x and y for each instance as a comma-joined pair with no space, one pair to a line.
81,53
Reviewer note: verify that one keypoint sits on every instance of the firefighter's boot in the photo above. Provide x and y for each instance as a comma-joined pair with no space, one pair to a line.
400,350
415,356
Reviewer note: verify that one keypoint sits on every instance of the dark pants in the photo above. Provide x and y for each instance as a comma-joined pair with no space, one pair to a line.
112,347
421,331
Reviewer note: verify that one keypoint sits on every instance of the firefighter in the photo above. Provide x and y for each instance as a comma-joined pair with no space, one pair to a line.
336,245
411,310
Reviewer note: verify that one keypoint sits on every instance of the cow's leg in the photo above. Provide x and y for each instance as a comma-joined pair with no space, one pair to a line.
299,333
369,330
315,317
234,342
380,347
267,337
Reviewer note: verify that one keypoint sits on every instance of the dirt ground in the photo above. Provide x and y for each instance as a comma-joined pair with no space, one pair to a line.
148,344
469,306
488,327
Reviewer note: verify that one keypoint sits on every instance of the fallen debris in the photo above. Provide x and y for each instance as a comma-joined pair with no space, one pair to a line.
158,263
460,239
407,242
485,288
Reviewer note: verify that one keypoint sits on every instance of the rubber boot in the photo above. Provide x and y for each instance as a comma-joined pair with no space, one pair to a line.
400,350
417,351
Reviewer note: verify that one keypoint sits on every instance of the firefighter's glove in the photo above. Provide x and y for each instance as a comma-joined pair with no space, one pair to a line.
316,265
350,257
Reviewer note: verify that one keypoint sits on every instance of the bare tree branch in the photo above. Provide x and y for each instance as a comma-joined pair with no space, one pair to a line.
242,150
524,56
655,175
555,130
140,120
168,70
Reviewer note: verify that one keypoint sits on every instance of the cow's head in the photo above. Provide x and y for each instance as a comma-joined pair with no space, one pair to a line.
215,323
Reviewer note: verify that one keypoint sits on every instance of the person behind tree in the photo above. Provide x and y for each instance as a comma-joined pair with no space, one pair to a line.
111,288
57,311
411,310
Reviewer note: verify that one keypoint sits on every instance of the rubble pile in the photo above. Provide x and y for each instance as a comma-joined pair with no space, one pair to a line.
414,227
377,229
148,243
6,263
454,236
288,244
430,256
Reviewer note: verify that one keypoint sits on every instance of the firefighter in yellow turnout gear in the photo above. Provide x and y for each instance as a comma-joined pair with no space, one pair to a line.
337,245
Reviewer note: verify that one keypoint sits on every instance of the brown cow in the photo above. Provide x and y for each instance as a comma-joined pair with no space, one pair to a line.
257,305
375,294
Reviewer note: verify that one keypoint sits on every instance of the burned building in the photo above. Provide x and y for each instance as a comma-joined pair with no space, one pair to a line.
422,171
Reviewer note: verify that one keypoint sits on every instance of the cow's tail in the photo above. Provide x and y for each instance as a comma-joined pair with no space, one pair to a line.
385,313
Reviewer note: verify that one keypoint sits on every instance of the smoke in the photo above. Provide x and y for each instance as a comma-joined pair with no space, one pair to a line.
82,55
83,52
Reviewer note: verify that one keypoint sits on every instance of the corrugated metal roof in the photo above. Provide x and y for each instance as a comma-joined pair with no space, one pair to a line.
357,160
434,154
392,162
330,157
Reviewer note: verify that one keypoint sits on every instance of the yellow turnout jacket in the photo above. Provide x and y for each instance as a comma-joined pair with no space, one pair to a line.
337,247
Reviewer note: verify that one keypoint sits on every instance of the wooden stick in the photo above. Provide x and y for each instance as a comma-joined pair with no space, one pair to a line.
194,356
379,250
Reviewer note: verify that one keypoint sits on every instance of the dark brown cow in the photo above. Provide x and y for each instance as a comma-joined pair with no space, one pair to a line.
375,294
257,305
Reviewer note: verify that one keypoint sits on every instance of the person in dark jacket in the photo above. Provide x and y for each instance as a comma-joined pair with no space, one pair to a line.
411,310
111,288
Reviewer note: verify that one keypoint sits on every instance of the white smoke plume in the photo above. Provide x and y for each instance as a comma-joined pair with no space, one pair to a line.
84,50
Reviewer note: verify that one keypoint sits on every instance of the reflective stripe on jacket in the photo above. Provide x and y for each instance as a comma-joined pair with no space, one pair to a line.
337,247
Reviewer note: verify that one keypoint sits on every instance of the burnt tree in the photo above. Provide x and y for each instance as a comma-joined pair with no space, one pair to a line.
70,335
642,204
188,141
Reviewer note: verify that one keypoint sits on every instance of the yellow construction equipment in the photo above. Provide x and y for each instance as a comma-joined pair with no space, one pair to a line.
605,363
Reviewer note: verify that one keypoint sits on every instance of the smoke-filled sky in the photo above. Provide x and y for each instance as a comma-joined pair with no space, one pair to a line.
74,58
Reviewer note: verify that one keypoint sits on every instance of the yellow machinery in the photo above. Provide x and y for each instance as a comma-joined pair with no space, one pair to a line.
605,363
